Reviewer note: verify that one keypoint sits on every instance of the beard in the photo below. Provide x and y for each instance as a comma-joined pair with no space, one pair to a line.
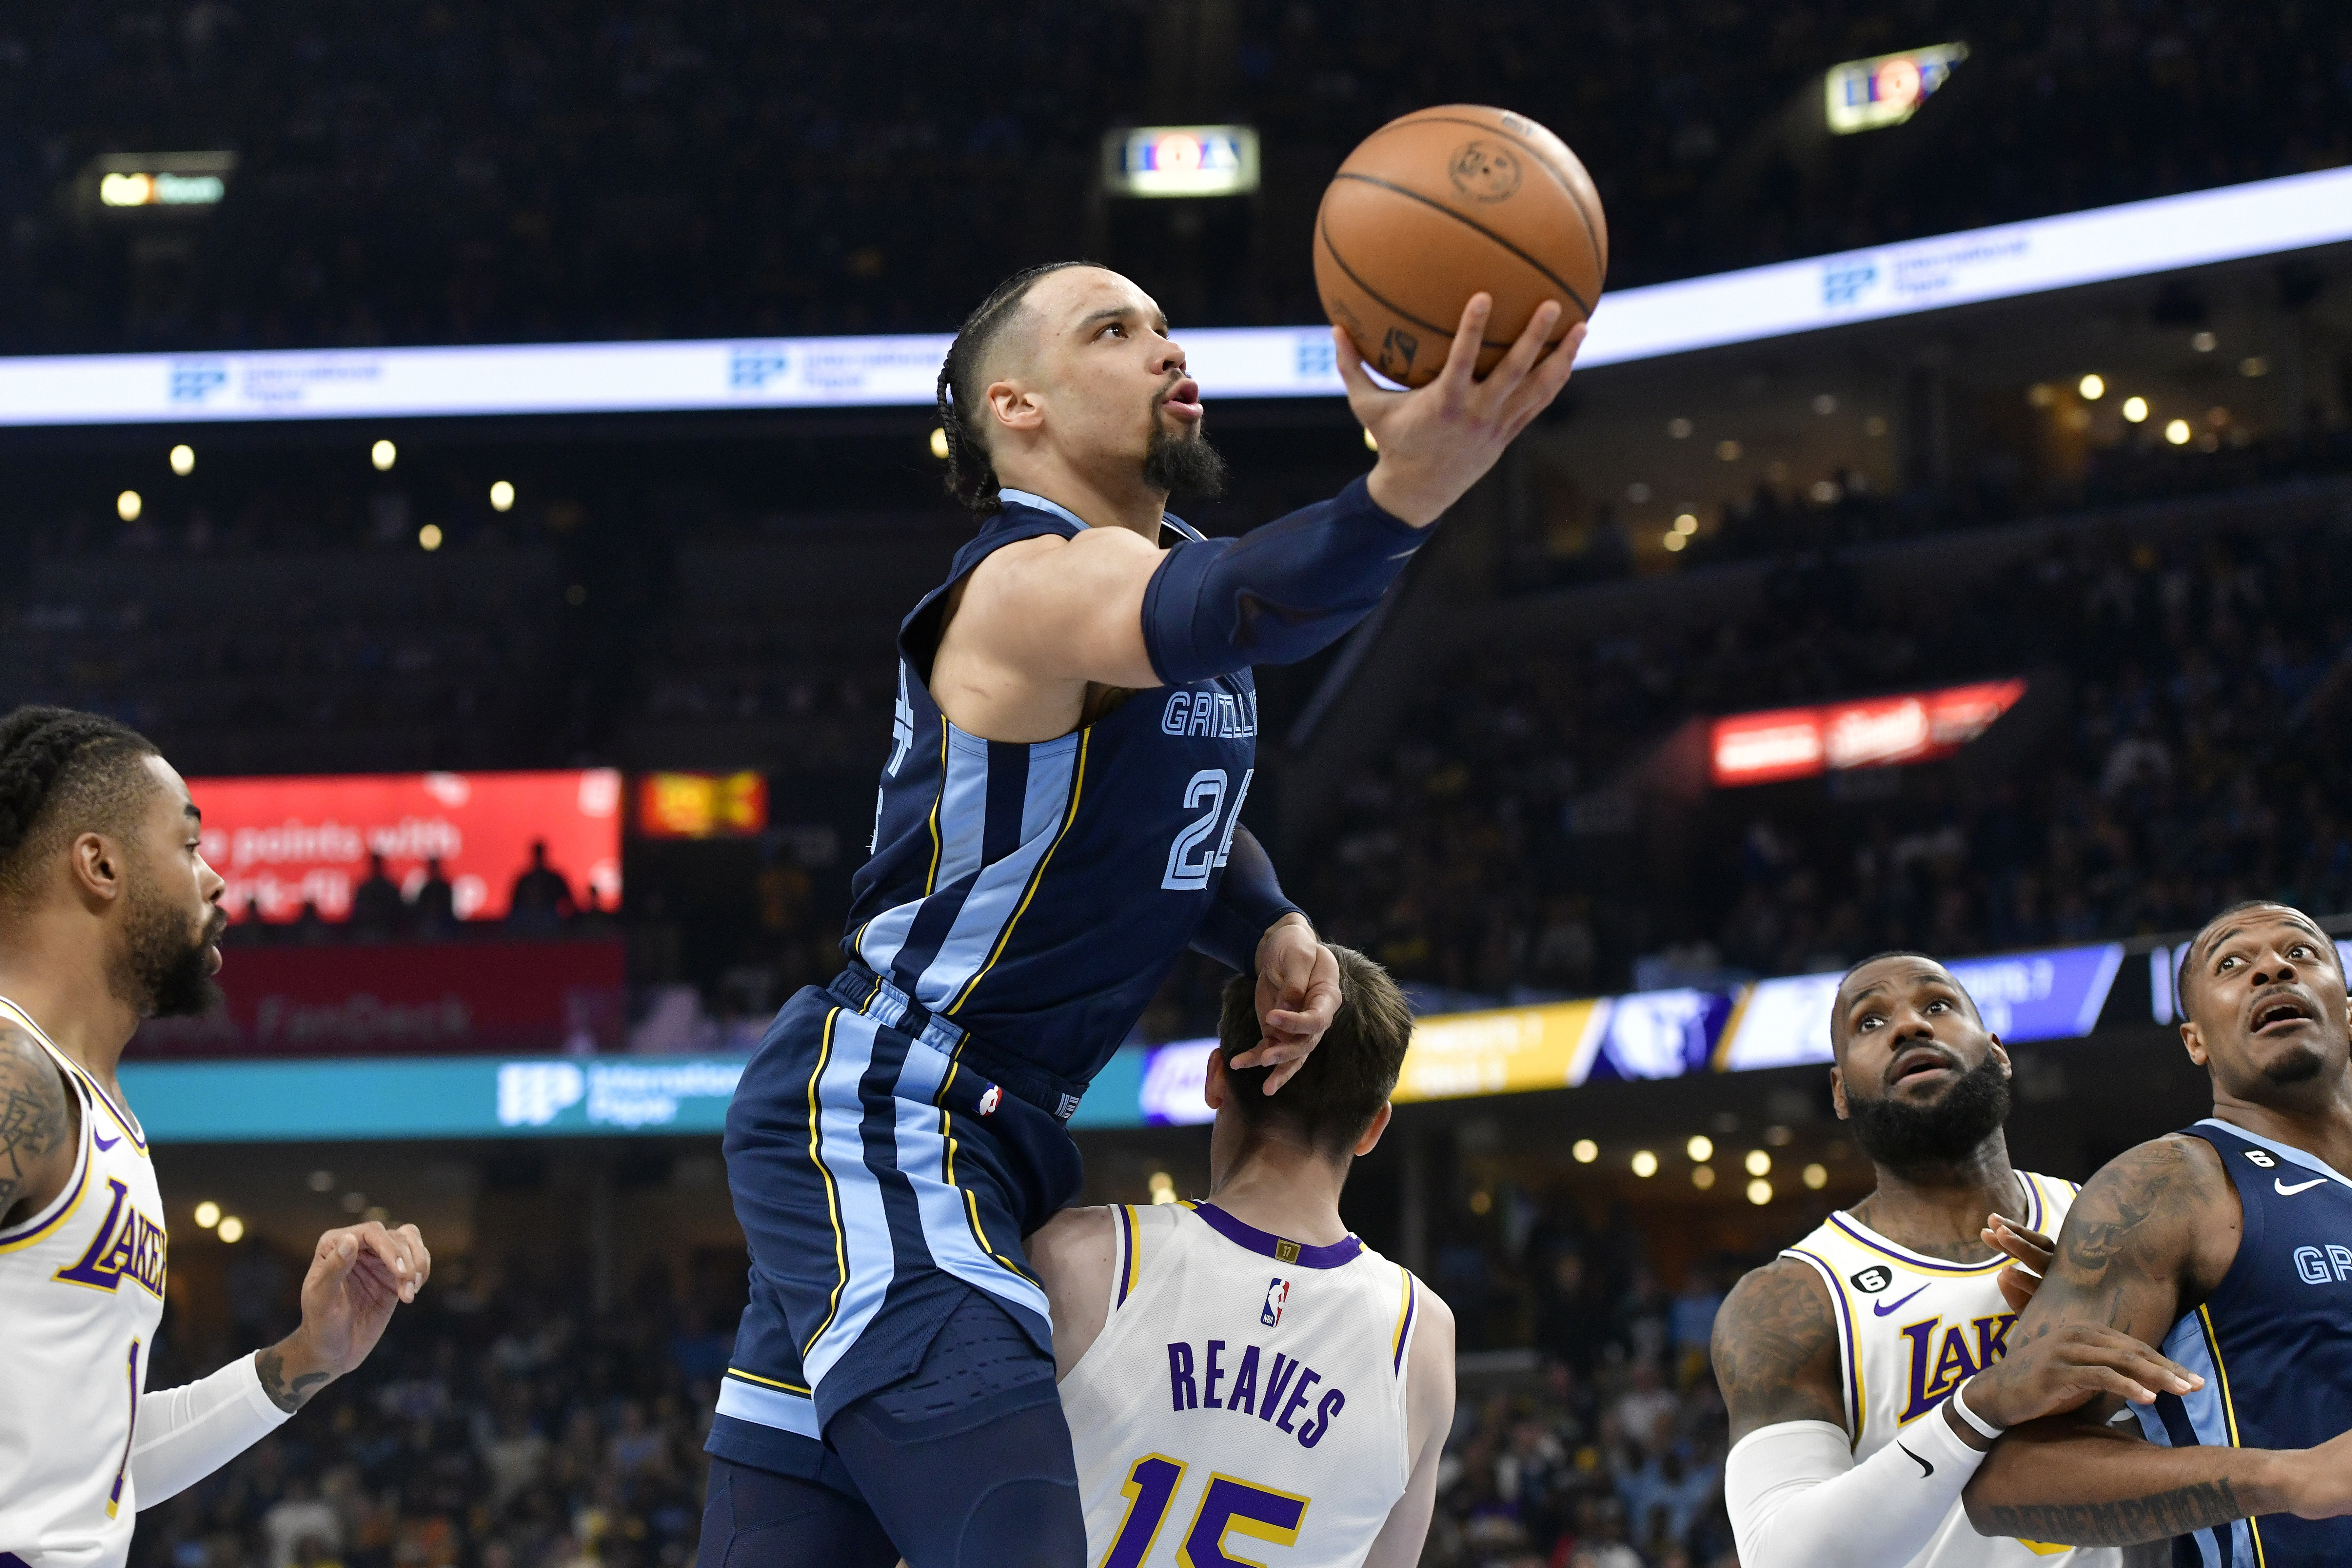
1183,464
166,973
1943,1132
2300,1067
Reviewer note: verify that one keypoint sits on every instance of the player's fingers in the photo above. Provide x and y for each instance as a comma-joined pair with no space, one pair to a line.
1364,394
1461,372
2031,1251
420,1258
1504,379
383,1246
1543,383
1283,1074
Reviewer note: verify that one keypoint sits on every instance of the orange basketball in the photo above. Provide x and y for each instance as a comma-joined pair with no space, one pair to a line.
1435,206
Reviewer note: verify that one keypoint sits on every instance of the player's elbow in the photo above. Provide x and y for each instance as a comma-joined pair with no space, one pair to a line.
1982,1497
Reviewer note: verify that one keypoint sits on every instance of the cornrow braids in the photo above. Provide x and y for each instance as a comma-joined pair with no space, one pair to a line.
972,475
57,763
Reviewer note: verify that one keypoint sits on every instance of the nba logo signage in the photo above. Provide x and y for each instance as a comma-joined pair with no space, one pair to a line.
1278,1292
1180,160
1887,90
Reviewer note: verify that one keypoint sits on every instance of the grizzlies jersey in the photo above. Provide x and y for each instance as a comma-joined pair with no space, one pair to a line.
1032,895
1910,1328
2274,1343
81,1289
1244,1389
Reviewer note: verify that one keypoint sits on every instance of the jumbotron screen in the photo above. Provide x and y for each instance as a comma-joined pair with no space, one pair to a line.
285,843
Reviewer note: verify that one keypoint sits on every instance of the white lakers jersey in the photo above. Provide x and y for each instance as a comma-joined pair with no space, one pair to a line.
81,1289
1910,1328
1243,1385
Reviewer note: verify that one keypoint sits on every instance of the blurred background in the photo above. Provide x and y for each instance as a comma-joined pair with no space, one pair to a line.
1971,578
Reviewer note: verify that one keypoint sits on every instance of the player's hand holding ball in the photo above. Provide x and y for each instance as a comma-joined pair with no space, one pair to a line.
1459,251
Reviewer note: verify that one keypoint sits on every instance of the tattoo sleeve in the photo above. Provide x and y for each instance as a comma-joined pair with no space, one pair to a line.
36,1120
288,1396
1775,1350
2159,1516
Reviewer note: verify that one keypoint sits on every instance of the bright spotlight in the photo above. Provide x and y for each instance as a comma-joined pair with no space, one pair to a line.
1646,1164
1702,1176
1701,1147
2177,431
501,496
1759,1192
183,460
208,1214
1686,524
232,1229
2092,387
1674,541
1584,1151
384,454
1758,1163
128,506
1817,1176
429,535
2134,409
939,442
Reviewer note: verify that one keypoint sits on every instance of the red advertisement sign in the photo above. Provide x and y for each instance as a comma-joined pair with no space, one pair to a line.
288,841
1798,742
430,999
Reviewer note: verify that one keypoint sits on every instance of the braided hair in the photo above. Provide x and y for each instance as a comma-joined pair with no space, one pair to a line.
62,769
972,475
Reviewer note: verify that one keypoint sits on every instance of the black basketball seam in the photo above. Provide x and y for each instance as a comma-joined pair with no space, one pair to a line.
1591,231
1482,228
1323,232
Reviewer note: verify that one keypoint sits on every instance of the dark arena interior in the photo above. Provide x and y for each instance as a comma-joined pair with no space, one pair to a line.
481,427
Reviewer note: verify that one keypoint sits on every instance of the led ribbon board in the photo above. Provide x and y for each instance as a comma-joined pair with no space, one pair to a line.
1180,160
1877,732
2010,261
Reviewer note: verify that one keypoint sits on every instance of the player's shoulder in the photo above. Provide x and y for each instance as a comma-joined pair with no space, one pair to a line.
1076,1239
1784,1301
2171,1165
30,1077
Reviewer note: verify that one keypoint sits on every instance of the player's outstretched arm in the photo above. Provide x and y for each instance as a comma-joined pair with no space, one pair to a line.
40,1125
359,1275
1429,1417
2153,1233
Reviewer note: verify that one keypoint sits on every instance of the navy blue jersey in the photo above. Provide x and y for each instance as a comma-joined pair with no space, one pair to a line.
1033,895
2273,1342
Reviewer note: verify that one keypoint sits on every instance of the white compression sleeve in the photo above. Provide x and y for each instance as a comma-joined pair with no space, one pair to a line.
185,1434
1797,1500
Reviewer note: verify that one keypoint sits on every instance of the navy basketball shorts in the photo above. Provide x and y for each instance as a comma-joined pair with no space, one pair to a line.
883,1189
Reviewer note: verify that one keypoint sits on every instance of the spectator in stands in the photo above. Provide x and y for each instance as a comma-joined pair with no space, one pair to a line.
377,911
541,901
433,913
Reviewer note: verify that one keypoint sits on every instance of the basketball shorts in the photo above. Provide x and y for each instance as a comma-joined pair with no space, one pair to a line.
880,1182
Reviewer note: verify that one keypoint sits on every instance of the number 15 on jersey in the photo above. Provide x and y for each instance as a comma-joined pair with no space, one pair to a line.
1227,1505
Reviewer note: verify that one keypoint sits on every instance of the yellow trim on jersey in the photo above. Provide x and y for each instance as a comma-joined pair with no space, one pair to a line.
1129,1234
50,1225
1852,1232
2229,1411
832,1193
1133,1491
1404,1316
1077,788
931,881
1241,1525
769,1382
120,1118
1849,1335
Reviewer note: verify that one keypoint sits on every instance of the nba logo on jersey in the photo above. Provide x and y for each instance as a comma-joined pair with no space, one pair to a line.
1278,1291
991,1100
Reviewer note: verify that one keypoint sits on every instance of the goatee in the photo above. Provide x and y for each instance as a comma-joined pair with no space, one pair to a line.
1183,464
165,972
1943,1132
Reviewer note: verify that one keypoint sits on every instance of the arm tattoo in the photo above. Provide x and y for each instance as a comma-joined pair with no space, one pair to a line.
2157,1517
288,1397
34,1119
1775,1349
2127,1246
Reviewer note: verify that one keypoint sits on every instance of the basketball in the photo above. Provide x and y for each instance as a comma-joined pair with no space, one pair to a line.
1435,206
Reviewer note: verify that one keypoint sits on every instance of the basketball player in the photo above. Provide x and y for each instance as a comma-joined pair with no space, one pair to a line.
1058,819
109,915
1245,1364
1847,1363
2230,1243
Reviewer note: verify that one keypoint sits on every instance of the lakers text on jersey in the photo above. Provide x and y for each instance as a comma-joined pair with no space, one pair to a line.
1244,1384
81,1292
1913,1328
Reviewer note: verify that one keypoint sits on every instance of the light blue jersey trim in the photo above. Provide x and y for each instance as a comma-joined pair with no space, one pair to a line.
864,1225
2303,1157
995,895
1031,499
770,1407
2209,1420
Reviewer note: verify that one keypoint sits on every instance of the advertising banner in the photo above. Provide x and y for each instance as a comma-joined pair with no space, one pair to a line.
1501,1052
285,843
406,998
1875,732
2054,994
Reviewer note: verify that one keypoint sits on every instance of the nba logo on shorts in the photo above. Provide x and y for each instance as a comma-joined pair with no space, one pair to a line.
991,1100
1278,1291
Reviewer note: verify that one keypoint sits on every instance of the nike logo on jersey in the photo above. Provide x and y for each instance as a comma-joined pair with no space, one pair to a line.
1881,1308
102,1141
2286,1191
1926,1470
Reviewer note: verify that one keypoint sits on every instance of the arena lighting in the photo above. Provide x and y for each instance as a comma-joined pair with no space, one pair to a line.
1759,1192
2265,217
1180,160
232,1229
428,538
128,506
1701,1147
183,460
208,1213
2177,431
1702,1176
2092,387
2134,409
1817,1176
501,496
384,454
1758,1163
1799,743
184,182
1644,1164
1886,89
1584,1151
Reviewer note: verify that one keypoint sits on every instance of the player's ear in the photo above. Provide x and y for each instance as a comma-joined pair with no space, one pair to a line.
2000,1054
1371,1138
2193,1039
1013,406
97,865
1216,1088
1837,1091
